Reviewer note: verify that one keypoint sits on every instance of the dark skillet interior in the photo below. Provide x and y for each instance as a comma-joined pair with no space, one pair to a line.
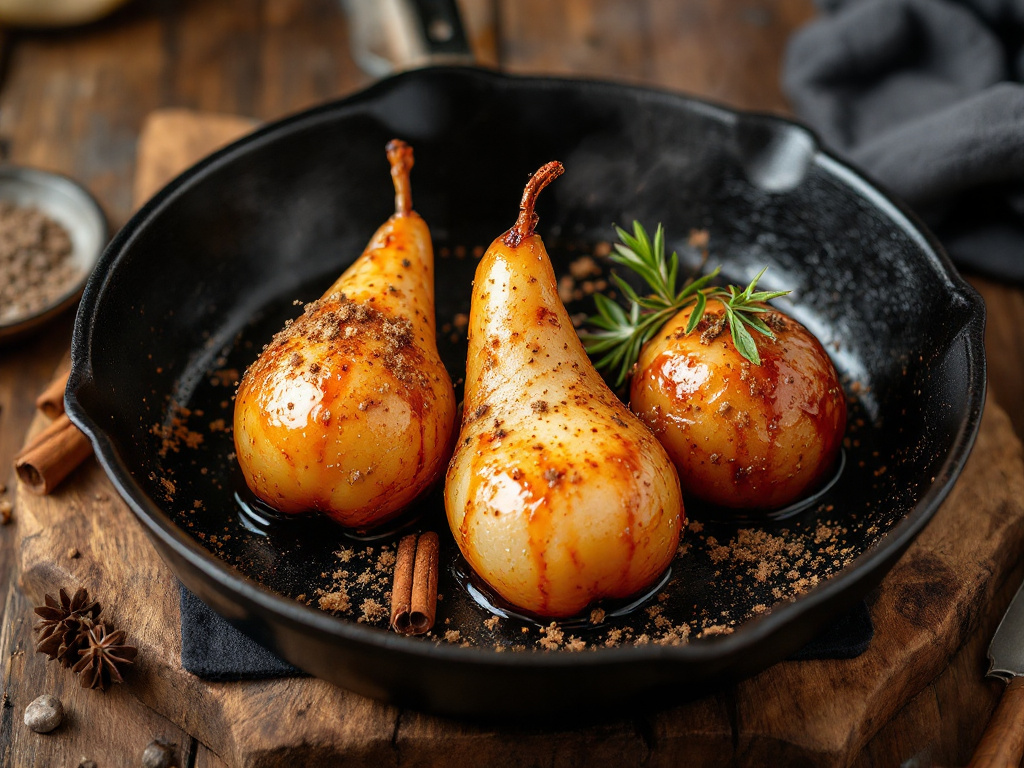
202,277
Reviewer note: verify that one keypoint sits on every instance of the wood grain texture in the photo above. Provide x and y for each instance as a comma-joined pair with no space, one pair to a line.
924,611
26,366
76,102
192,140
724,51
109,728
789,710
1002,744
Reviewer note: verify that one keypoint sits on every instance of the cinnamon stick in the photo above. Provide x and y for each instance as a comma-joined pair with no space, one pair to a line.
414,592
401,589
51,401
424,584
51,456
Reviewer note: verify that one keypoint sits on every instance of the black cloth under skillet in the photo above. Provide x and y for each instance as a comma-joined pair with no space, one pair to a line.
927,96
214,650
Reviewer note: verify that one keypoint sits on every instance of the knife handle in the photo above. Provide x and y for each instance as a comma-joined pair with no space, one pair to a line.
1002,744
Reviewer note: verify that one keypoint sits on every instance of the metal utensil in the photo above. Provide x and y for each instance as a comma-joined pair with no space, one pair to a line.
1002,744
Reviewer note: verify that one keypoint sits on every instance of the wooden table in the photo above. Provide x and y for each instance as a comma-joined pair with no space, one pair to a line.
74,101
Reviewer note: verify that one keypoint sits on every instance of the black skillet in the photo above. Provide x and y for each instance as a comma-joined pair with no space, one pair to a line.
201,277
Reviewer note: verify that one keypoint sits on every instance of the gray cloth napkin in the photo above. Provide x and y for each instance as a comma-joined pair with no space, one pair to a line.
927,96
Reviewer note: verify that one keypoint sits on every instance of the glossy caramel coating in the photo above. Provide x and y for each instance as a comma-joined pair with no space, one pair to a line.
742,435
349,410
557,495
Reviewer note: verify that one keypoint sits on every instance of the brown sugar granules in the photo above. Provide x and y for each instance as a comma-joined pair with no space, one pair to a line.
359,588
551,637
716,629
775,321
613,638
372,611
766,555
386,560
674,635
35,261
710,328
575,644
175,432
335,601
337,317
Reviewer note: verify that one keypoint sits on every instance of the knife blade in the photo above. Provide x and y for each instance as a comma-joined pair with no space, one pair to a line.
1002,744
1006,652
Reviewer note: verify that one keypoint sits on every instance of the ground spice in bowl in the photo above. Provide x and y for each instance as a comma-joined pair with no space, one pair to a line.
36,265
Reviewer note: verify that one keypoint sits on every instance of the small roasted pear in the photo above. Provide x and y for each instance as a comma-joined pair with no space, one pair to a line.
557,495
349,410
742,436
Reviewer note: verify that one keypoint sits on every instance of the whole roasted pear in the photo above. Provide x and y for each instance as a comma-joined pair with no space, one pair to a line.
557,495
742,435
349,410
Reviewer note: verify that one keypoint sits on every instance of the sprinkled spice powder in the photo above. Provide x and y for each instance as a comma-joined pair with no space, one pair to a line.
35,261
724,574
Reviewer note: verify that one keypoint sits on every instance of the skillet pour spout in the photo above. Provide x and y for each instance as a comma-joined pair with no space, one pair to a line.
206,271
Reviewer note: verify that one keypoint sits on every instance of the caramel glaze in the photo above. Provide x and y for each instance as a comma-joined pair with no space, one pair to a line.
742,435
556,495
349,410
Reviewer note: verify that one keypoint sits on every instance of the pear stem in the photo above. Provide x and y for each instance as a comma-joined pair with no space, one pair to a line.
400,157
527,220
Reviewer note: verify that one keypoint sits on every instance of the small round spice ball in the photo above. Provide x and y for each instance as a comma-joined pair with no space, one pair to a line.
44,714
158,755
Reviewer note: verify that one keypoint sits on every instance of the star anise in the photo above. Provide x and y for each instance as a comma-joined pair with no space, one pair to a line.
102,657
63,625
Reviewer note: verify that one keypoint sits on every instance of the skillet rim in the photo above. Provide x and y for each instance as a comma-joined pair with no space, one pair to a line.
272,606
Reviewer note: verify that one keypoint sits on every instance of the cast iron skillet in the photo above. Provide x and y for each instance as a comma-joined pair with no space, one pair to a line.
208,270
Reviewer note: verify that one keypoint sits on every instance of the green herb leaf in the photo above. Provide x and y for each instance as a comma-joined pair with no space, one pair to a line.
742,339
620,336
697,314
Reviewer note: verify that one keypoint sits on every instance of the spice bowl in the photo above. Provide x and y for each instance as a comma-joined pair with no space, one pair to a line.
62,202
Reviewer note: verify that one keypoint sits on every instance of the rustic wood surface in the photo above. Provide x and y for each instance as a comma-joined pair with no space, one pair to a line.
75,101
820,712
1003,741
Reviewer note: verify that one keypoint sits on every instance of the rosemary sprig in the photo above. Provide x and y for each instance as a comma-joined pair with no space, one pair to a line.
620,335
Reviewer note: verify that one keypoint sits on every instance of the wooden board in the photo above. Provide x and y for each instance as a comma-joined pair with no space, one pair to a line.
819,712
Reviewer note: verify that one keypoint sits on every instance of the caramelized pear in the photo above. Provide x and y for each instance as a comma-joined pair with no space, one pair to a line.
349,410
742,435
557,495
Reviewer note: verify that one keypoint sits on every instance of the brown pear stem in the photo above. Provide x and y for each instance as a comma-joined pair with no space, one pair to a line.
527,220
400,157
